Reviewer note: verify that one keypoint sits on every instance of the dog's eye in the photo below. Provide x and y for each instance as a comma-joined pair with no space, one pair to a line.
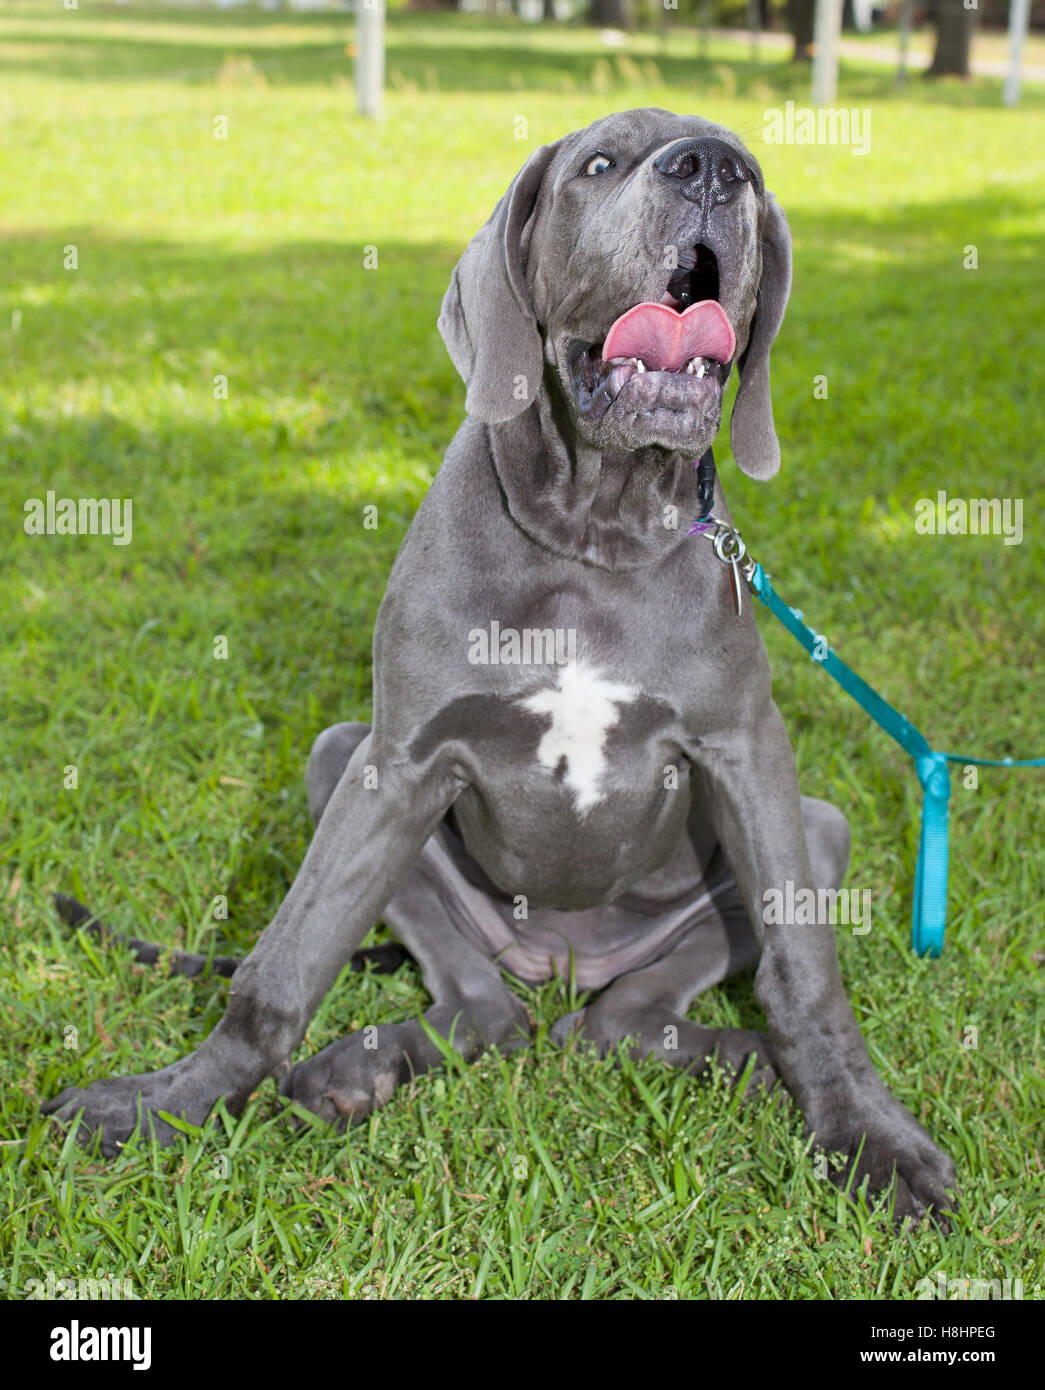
598,164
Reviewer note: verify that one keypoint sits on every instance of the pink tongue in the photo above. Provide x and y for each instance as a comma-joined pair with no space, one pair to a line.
666,340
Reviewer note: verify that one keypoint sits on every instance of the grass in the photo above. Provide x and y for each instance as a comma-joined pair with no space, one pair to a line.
546,1175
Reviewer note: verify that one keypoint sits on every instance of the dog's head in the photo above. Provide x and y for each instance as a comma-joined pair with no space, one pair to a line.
638,259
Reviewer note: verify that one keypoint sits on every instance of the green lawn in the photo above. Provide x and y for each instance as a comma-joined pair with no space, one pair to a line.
548,1175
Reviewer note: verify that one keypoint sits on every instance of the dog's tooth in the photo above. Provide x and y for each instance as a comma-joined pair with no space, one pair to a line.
640,366
691,367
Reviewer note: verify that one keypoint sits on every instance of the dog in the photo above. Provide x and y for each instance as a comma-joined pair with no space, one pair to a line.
620,805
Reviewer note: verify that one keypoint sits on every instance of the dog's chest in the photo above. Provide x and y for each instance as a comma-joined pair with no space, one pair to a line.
581,706
579,789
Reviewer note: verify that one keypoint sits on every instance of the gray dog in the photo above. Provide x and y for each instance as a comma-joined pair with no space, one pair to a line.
575,761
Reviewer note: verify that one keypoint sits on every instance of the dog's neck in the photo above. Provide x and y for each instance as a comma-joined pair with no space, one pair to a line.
620,511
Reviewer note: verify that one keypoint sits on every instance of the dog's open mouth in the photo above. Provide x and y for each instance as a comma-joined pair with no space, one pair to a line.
685,337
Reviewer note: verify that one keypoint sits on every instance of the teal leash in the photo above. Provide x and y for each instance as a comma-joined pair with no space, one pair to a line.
929,912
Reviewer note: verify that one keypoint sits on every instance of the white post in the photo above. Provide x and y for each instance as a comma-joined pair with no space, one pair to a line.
703,28
1019,21
827,32
906,10
370,57
754,24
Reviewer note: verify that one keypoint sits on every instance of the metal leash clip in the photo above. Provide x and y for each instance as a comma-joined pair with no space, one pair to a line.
727,540
731,550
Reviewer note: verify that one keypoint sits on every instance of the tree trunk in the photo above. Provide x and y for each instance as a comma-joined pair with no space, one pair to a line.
609,14
800,22
954,25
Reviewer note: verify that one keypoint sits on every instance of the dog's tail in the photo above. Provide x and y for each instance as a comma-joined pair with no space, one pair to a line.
383,959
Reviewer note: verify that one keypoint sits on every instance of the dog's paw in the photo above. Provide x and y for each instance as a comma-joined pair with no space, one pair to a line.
676,1041
890,1146
110,1108
733,1050
347,1080
563,1029
352,1077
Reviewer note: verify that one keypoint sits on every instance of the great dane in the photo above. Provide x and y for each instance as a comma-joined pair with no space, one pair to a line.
575,762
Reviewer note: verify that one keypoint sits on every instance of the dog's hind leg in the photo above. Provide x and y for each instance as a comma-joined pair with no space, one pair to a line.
329,756
649,1005
473,1008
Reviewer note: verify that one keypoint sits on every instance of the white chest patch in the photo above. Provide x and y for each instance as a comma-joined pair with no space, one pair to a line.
583,708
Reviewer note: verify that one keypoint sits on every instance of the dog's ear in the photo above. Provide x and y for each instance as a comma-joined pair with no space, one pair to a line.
487,319
751,430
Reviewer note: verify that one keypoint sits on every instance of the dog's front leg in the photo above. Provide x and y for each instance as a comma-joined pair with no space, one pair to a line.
380,814
749,777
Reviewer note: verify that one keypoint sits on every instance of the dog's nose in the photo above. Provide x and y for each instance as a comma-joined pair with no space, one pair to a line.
705,170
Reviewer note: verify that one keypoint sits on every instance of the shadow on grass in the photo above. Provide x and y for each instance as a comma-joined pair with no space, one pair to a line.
926,363
882,298
249,512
